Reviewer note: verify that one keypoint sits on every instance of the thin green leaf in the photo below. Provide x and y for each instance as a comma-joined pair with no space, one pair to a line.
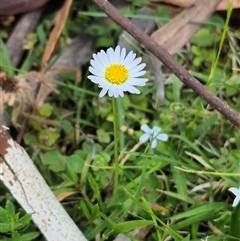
131,225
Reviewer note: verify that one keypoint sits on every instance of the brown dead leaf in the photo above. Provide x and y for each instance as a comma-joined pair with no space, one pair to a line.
59,21
64,195
176,33
223,5
158,208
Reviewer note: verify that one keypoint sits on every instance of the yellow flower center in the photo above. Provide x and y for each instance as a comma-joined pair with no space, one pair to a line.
116,74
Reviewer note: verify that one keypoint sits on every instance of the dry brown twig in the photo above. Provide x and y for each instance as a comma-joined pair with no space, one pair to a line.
169,61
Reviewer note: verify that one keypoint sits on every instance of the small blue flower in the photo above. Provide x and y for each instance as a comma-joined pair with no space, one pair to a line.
153,135
236,192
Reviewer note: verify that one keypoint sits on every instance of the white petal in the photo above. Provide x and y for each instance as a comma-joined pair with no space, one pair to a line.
145,137
105,85
137,81
133,90
95,57
111,90
103,58
130,57
96,79
125,86
97,65
121,93
137,68
123,54
146,129
110,94
154,144
95,71
130,88
134,63
116,92
116,56
236,201
162,137
137,74
103,92
110,55
235,191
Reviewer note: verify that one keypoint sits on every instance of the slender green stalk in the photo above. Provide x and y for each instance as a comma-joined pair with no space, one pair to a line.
116,140
142,180
223,37
219,174
143,175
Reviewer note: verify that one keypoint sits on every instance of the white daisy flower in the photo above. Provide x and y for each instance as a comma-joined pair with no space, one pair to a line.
115,72
236,192
153,135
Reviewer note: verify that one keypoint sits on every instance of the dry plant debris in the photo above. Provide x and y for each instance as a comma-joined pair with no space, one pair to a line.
16,92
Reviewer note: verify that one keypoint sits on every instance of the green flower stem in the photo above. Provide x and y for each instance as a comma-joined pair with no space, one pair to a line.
142,180
116,140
